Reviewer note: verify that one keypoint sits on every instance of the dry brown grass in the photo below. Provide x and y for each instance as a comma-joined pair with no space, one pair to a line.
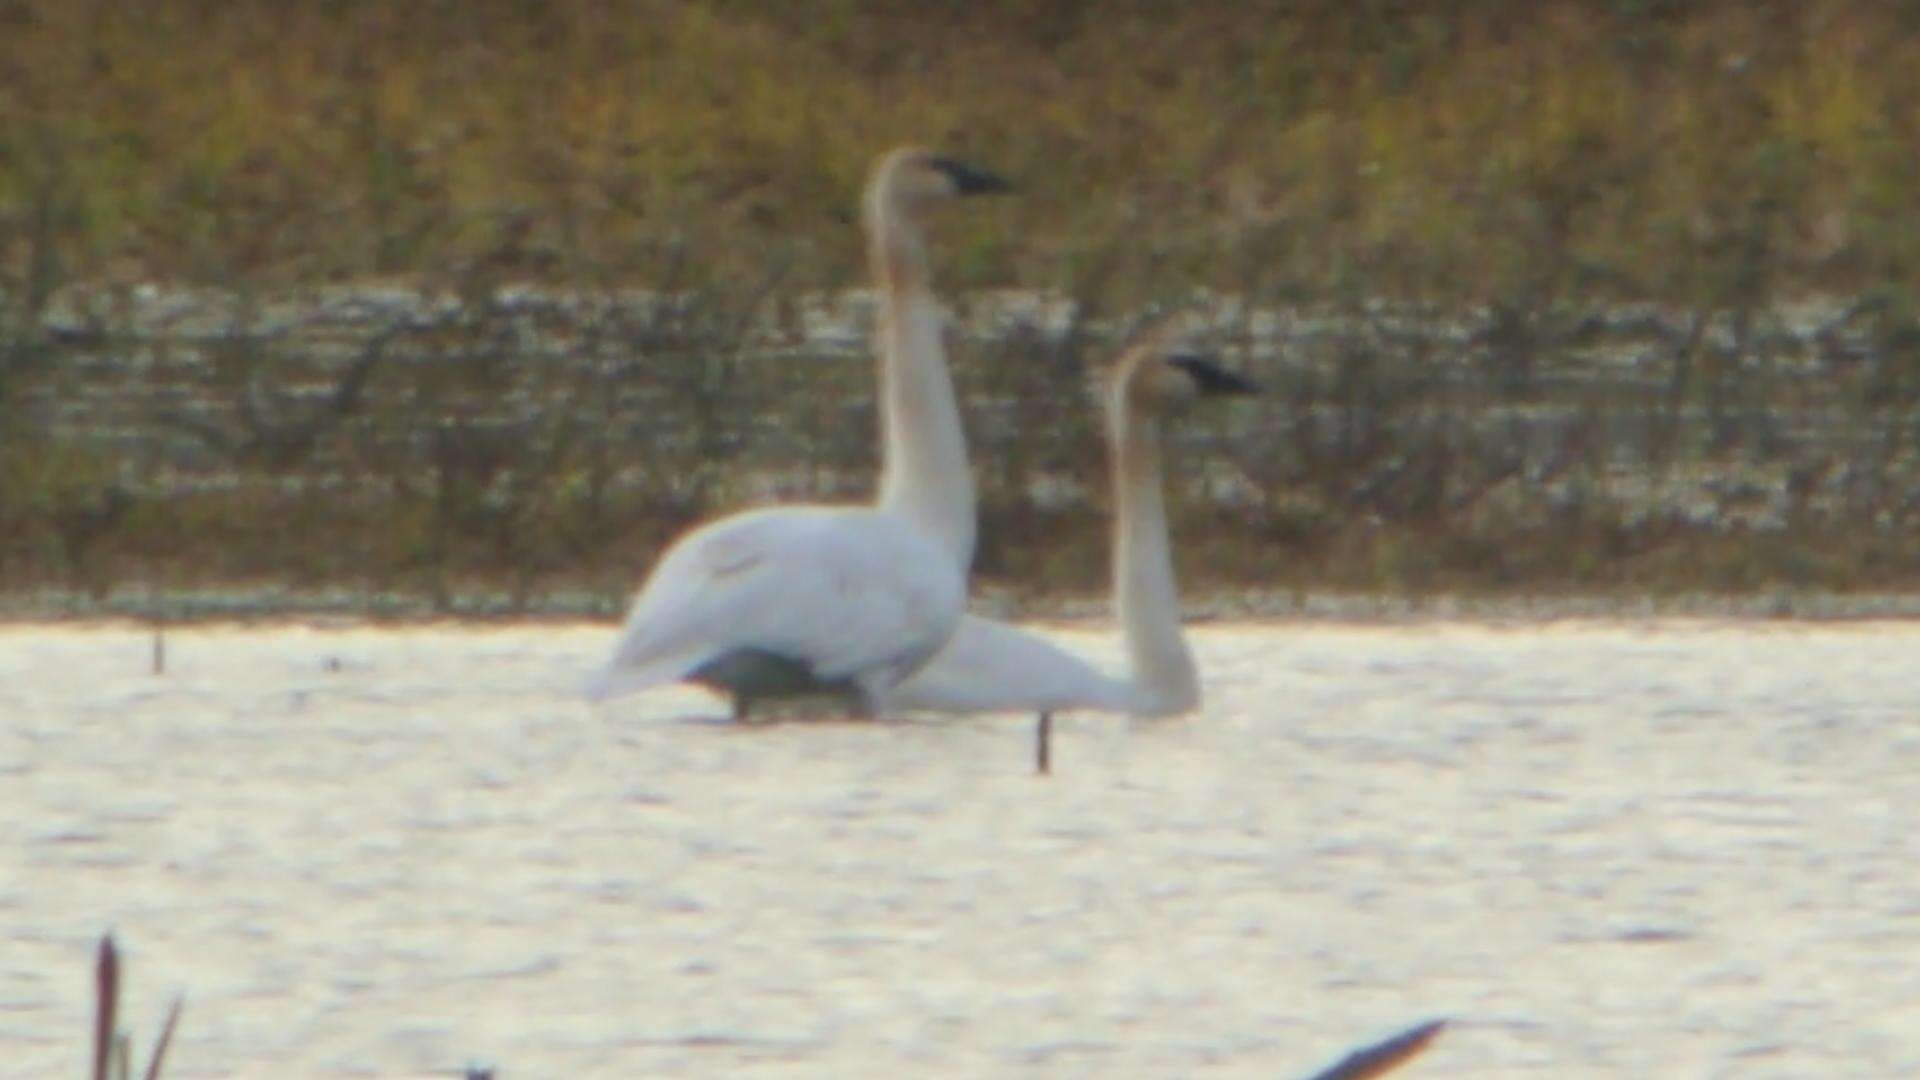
1528,160
1455,150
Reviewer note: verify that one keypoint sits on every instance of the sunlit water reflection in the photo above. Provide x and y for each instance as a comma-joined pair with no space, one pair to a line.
1663,849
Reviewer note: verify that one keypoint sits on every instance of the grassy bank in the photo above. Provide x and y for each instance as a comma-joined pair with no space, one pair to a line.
1521,171
1467,150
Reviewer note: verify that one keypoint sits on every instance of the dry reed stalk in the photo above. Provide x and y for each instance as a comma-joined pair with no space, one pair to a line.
112,1049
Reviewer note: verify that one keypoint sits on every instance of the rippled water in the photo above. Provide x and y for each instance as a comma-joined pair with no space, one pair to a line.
1665,849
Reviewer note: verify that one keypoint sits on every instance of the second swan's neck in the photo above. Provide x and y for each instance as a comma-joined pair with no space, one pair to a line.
1161,669
924,474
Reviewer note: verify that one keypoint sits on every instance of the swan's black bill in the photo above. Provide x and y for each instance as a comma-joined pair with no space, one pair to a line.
1211,378
968,180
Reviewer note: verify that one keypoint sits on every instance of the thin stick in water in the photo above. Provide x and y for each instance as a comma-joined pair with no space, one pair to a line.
159,648
1043,745
106,1000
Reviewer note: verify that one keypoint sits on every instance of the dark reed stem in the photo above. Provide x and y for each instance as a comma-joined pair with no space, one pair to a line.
106,1003
166,1039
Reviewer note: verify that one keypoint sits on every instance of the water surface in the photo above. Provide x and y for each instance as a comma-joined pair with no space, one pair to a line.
1676,848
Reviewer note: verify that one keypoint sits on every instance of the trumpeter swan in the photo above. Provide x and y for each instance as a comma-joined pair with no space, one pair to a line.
839,600
989,666
924,473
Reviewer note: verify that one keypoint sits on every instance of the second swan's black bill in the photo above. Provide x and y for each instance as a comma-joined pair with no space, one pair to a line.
969,180
1211,378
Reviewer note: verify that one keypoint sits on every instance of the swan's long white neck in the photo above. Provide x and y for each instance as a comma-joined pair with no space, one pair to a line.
1162,677
924,474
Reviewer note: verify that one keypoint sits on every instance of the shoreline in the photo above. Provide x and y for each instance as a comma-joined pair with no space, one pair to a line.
54,607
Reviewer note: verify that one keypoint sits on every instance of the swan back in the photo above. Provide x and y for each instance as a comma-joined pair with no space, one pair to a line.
849,595
989,666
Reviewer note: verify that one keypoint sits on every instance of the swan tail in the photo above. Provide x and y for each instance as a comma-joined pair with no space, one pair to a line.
619,678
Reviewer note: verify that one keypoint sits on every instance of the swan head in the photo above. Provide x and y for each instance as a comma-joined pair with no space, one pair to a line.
1156,378
912,177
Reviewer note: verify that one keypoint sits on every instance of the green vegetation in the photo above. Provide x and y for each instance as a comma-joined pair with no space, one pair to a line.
1520,172
1462,151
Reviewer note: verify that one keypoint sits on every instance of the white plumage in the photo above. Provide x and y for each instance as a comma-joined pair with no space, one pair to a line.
989,666
837,599
856,594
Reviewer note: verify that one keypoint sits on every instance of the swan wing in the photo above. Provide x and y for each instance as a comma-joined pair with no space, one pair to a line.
851,592
989,666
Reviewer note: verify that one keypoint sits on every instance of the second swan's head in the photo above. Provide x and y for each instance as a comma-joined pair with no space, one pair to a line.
1156,378
911,177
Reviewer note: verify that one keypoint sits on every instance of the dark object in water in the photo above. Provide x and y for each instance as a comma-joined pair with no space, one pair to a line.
106,1002
111,1050
1382,1057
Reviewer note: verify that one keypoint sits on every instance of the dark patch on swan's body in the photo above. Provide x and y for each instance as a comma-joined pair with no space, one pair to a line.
751,675
759,673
